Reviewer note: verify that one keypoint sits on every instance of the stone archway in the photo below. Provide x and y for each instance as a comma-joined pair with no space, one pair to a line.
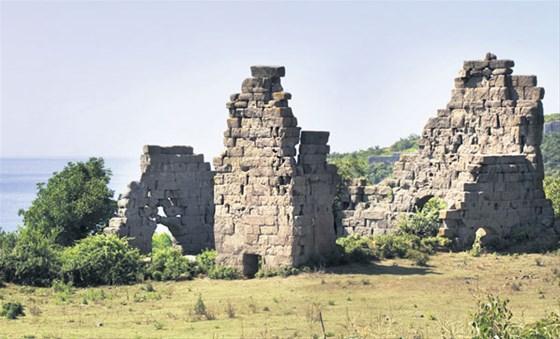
175,190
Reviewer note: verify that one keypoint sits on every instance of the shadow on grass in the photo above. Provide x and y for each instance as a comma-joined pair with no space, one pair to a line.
378,269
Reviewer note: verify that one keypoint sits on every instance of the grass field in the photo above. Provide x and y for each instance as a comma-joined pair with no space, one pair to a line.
387,299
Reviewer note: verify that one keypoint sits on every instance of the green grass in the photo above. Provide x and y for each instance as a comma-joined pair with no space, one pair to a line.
386,299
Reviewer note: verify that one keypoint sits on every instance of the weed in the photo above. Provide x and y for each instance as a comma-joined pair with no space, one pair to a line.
230,310
12,310
63,291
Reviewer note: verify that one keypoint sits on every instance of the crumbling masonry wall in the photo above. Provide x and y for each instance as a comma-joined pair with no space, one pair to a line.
481,155
271,210
175,190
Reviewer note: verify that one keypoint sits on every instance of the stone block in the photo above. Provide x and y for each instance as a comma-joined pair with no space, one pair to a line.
268,71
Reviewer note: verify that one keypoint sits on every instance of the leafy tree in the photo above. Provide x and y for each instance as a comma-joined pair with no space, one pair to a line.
551,152
379,171
552,191
74,203
356,164
409,143
552,117
352,167
101,259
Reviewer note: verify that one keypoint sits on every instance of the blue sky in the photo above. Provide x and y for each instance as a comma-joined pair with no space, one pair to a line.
104,78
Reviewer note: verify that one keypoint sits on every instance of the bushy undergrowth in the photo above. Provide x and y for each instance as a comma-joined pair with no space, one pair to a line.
223,272
424,222
29,257
206,261
284,271
101,260
493,320
415,239
168,263
161,240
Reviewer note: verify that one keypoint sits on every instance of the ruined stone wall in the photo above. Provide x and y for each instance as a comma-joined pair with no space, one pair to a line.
270,209
491,113
175,190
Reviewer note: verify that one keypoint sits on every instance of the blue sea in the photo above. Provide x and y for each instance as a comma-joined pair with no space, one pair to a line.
19,178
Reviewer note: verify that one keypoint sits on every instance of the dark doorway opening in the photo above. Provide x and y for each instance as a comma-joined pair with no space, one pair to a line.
419,205
251,264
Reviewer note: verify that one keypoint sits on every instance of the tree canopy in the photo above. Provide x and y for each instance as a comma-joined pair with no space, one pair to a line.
74,203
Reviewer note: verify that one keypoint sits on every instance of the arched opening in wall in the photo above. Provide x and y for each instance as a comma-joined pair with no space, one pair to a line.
162,236
251,264
420,203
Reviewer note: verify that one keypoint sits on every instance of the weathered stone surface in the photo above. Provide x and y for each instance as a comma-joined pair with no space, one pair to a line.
481,155
268,71
175,190
272,210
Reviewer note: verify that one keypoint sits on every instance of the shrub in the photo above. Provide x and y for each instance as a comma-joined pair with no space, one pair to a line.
223,272
424,222
32,259
284,271
12,310
355,248
394,245
7,243
161,241
75,202
206,260
101,259
548,327
492,319
170,264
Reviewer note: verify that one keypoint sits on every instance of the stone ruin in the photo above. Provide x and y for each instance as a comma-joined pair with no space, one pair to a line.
481,155
268,204
271,209
175,190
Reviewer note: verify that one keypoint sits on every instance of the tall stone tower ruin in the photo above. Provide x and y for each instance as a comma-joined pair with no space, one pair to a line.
481,154
271,209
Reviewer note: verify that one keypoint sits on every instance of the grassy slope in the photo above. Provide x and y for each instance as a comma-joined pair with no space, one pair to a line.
382,300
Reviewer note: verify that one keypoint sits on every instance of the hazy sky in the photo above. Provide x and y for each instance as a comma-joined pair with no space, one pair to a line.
104,78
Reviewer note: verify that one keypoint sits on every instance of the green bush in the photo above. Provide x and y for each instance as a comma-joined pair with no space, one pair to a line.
160,241
552,191
170,264
493,320
550,148
74,203
223,273
206,260
355,248
284,271
29,258
101,259
12,310
424,222
7,243
548,327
